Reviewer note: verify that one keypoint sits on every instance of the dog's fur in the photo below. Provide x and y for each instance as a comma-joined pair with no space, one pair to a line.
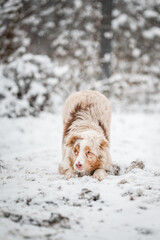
86,135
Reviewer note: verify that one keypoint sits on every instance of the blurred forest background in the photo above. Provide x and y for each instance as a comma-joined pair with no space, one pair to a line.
51,48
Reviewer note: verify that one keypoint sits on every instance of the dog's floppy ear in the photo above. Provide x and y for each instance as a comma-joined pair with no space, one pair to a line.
104,144
71,141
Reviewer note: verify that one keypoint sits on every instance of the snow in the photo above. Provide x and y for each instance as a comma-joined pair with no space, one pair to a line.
152,33
37,203
47,12
107,57
120,20
136,52
78,4
108,35
150,14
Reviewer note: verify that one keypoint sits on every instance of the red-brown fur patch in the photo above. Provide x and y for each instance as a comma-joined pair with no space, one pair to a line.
103,144
87,148
71,162
74,116
77,148
92,164
104,130
72,140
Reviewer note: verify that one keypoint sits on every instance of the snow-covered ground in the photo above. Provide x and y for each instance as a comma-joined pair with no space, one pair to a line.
37,203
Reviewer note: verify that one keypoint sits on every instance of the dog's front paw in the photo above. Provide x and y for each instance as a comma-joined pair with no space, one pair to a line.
69,174
99,174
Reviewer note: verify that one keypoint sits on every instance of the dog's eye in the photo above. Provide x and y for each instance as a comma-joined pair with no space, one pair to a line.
88,154
76,152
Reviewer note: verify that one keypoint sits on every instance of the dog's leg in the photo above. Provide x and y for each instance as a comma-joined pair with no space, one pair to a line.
99,174
65,165
70,174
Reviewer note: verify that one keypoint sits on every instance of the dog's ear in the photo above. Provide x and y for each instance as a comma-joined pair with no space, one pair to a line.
71,141
104,144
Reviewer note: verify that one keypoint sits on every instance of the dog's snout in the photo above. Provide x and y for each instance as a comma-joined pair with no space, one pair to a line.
78,165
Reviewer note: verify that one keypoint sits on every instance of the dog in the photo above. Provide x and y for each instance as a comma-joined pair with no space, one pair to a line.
86,135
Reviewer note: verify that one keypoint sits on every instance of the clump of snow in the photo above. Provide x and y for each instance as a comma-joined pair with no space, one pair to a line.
136,52
107,57
108,35
135,164
152,33
150,14
120,20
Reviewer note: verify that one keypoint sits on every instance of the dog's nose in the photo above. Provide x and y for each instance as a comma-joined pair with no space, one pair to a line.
78,165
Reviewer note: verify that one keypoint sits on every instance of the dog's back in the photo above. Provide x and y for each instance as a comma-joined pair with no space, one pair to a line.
87,105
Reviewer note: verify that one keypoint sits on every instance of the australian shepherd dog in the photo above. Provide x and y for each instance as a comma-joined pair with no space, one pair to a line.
86,135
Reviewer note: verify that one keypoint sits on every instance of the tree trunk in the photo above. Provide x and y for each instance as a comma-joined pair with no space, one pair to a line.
106,35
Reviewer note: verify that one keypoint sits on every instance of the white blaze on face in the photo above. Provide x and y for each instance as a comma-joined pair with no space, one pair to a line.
80,160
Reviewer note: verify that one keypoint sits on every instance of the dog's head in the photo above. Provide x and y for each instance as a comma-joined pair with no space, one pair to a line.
87,152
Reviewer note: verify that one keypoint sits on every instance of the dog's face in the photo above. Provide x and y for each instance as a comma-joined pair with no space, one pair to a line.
87,153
